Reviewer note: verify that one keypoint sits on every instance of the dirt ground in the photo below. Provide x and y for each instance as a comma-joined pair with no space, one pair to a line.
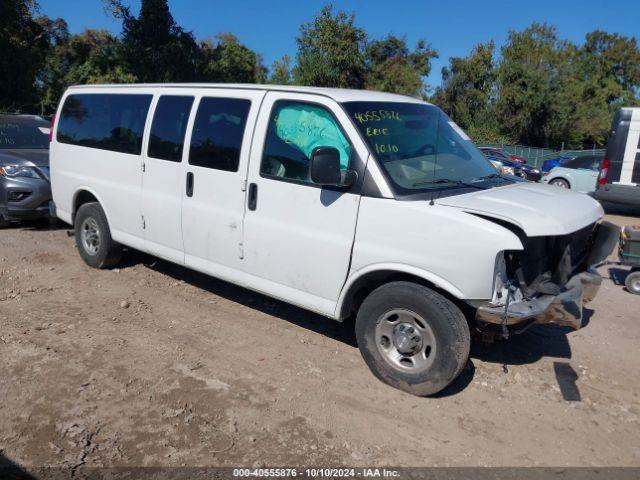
151,364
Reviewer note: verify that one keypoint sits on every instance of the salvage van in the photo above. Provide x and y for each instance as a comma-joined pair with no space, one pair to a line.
346,203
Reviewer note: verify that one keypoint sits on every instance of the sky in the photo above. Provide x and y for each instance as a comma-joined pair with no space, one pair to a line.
452,27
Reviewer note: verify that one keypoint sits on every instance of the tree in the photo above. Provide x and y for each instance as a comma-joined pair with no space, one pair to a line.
468,90
155,48
24,45
532,66
607,77
227,60
391,67
331,51
90,57
281,71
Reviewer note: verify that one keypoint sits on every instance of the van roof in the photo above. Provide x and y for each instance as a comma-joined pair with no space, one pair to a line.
337,94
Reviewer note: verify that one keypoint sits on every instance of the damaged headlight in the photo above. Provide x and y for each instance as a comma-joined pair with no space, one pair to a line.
503,286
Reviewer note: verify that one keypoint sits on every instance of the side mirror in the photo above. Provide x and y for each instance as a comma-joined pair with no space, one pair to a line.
325,168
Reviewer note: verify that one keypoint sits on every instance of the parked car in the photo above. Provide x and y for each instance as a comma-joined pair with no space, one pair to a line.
25,191
334,200
579,174
558,161
518,169
500,153
619,179
501,168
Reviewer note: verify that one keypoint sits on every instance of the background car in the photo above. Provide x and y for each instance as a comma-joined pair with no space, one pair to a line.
579,174
499,153
25,191
550,163
520,169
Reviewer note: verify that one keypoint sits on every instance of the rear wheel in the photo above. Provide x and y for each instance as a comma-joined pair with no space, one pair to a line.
412,338
559,182
3,223
93,237
632,282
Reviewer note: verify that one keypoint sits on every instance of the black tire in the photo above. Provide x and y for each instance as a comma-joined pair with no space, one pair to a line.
447,326
4,223
560,182
632,282
106,252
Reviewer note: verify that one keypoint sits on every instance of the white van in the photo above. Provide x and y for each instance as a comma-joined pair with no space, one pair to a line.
619,180
346,203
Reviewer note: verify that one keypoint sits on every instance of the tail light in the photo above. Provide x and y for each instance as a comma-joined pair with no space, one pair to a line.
604,172
53,123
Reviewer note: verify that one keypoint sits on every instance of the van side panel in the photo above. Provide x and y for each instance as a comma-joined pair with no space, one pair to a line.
114,178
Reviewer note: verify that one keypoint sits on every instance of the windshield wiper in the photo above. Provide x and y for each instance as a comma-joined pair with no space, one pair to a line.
447,180
490,176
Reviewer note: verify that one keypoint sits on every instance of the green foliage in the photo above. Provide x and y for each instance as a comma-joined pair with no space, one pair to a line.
468,87
391,67
155,48
281,71
24,45
331,52
90,57
227,60
544,91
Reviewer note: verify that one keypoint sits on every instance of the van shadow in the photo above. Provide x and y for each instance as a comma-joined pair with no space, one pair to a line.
538,342
40,225
341,331
10,470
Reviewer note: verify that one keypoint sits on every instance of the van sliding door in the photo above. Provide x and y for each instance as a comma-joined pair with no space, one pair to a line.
162,182
214,180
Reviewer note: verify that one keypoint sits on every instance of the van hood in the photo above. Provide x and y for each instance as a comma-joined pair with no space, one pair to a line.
539,210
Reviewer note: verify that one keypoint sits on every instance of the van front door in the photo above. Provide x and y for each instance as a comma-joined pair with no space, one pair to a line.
298,235
162,180
216,170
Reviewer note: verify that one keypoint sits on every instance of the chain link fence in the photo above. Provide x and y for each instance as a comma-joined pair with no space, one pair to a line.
536,156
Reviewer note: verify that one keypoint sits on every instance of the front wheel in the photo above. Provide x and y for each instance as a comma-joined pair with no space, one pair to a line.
632,282
93,237
412,338
558,182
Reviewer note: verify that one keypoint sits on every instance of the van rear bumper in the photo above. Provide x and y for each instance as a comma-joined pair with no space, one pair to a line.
615,193
563,309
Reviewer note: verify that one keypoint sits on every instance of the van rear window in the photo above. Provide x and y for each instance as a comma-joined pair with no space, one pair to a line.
105,121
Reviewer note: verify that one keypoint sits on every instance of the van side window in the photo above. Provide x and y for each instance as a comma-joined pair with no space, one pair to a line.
169,126
295,129
217,133
105,121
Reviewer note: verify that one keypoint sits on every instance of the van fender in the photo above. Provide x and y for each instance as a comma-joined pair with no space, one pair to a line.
90,190
430,277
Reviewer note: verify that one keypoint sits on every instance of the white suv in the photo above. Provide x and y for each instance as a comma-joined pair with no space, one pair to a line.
343,202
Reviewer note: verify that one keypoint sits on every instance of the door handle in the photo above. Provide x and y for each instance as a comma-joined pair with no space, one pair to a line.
253,196
189,184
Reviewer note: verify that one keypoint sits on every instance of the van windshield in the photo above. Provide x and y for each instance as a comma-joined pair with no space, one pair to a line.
419,147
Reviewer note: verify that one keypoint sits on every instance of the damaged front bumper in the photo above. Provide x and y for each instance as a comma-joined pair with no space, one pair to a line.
563,309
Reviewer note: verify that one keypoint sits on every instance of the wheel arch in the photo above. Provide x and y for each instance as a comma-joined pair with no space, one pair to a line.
564,179
84,195
363,282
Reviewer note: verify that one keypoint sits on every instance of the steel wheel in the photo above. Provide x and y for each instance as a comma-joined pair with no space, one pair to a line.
90,236
405,341
632,282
